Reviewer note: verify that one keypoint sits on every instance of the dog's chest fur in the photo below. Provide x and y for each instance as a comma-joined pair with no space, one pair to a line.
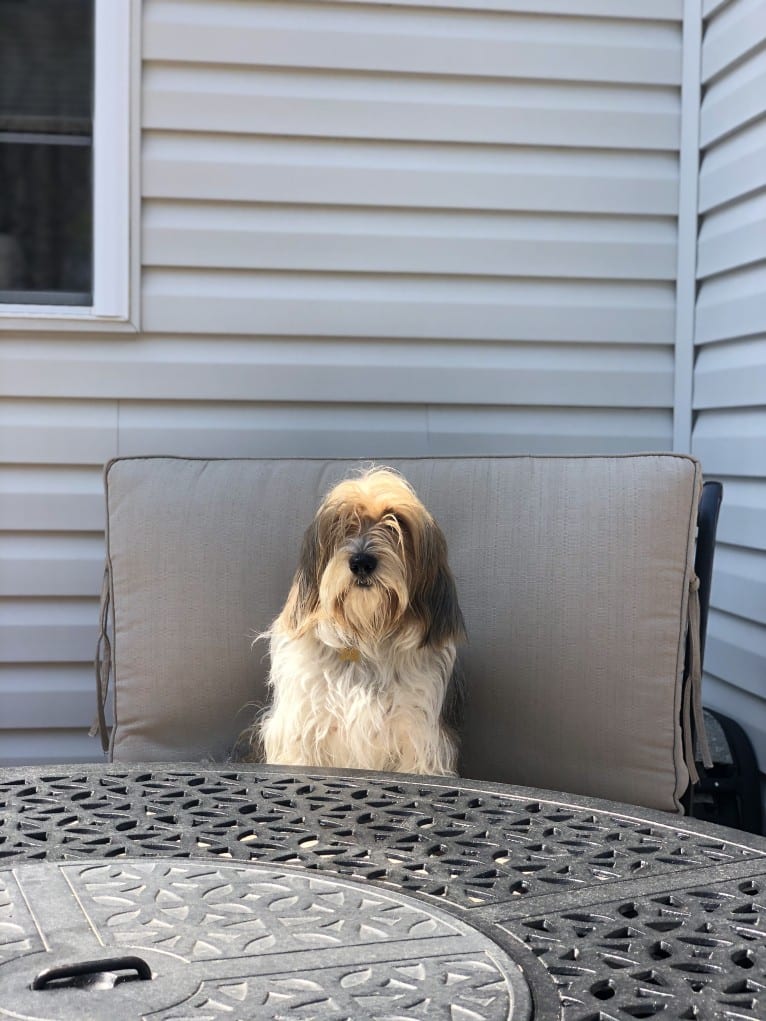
346,708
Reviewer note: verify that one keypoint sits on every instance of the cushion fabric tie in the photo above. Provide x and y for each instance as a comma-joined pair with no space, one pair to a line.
103,664
692,700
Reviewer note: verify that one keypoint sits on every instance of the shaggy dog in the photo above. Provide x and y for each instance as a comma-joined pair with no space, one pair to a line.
363,653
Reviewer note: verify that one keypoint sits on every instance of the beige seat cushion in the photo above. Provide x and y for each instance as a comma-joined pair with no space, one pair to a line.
573,575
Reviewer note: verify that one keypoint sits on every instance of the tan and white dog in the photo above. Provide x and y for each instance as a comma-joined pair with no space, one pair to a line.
363,652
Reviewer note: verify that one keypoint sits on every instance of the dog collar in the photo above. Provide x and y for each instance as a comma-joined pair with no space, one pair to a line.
350,655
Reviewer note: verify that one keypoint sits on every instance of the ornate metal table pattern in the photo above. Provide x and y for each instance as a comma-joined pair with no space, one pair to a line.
370,896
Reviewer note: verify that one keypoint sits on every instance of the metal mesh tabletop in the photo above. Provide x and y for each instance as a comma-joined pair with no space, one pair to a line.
606,911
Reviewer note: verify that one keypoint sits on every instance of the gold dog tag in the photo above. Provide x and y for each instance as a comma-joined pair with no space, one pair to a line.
349,655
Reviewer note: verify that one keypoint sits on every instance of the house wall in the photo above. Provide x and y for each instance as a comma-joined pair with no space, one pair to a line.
730,375
367,229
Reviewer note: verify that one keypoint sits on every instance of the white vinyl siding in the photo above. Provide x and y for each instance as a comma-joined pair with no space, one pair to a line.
730,374
367,229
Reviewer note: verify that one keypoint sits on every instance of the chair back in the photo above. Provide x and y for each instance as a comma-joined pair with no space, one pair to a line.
575,577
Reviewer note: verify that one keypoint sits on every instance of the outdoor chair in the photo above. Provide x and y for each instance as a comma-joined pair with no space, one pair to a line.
584,605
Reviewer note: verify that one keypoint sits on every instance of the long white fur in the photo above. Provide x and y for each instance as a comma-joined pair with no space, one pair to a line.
381,714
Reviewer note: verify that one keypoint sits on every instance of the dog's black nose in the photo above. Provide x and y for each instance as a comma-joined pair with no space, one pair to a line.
362,564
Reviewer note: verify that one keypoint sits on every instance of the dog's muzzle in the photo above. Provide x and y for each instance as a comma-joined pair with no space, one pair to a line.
362,564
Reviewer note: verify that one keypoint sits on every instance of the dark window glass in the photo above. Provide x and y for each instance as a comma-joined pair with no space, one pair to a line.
46,147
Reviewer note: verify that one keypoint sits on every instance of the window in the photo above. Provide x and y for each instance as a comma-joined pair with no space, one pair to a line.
64,158
46,125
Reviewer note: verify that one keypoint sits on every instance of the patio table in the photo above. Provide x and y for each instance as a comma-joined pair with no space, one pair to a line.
189,891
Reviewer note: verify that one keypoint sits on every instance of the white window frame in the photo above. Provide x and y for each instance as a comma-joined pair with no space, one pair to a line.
116,88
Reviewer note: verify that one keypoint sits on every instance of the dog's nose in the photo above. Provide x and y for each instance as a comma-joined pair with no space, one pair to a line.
362,564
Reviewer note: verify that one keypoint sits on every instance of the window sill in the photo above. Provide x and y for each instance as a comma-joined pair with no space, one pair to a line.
61,318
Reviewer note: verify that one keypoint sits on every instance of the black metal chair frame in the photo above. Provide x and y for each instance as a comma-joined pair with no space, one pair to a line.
730,792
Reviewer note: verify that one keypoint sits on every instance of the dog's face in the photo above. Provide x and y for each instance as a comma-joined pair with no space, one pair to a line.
374,564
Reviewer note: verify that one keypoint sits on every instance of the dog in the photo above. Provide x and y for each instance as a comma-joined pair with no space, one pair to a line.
363,653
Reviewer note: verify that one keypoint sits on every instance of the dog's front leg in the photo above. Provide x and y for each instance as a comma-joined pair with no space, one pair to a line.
423,750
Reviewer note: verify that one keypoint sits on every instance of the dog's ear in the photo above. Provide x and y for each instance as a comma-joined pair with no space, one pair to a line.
303,599
433,596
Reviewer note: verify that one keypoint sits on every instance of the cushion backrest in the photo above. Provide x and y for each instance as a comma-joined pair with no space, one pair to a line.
573,575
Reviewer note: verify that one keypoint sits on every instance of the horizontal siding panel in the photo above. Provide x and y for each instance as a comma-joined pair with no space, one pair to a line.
734,101
709,7
733,237
394,306
214,99
264,430
48,746
735,651
42,631
732,305
387,431
740,583
737,30
371,240
424,175
29,694
412,41
653,10
217,368
61,511
50,565
731,375
51,499
743,513
60,432
554,431
731,442
734,167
